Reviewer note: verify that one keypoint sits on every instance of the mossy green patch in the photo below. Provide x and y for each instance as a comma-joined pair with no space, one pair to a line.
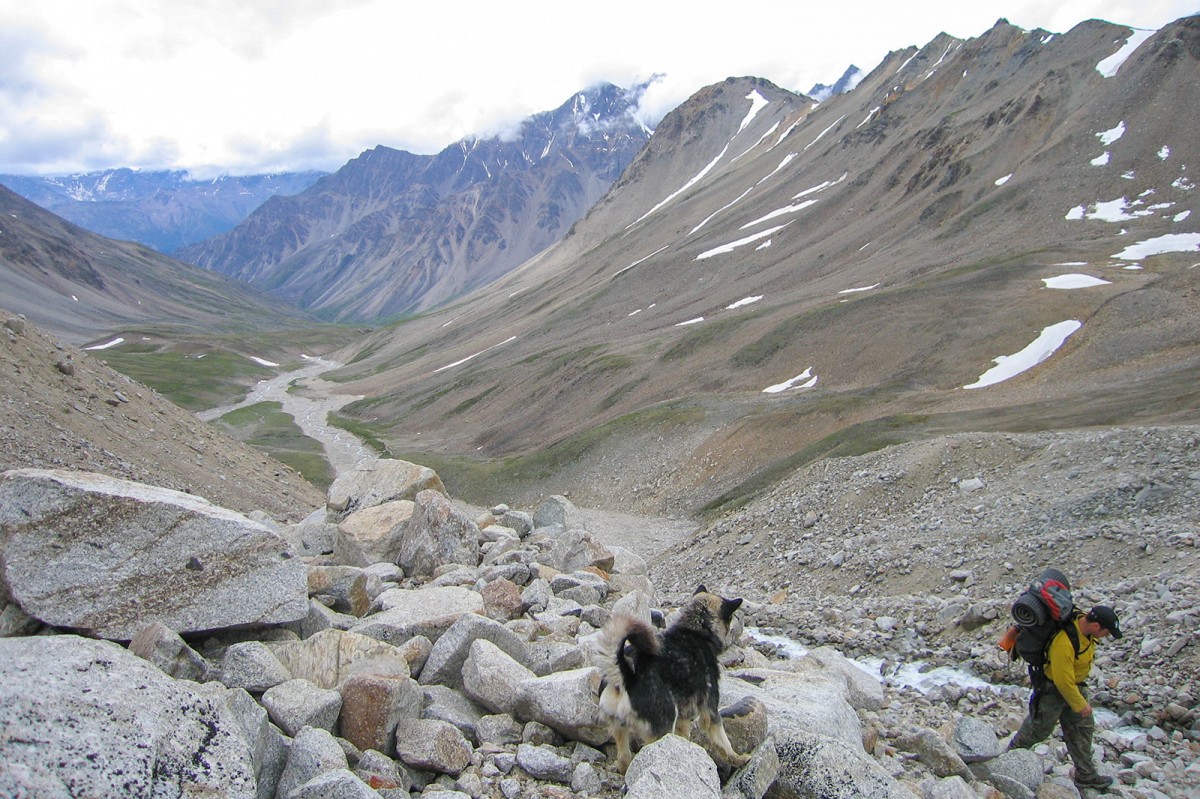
192,380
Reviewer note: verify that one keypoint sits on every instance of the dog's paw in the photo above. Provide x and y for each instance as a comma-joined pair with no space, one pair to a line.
737,761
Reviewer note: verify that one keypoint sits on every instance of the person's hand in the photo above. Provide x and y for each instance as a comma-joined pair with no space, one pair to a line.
1087,711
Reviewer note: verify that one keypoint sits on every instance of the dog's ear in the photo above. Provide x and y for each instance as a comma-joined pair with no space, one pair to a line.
700,589
728,606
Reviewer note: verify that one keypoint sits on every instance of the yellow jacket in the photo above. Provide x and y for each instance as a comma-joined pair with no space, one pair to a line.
1066,669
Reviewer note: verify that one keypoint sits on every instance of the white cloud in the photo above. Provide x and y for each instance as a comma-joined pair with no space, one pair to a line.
228,85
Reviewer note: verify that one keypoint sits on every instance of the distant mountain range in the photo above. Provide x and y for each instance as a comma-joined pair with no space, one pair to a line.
80,284
392,232
162,209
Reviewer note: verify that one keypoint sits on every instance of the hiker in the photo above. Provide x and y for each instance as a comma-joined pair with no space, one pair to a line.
1059,695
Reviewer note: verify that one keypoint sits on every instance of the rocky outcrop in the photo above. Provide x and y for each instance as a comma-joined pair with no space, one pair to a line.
89,718
88,552
379,481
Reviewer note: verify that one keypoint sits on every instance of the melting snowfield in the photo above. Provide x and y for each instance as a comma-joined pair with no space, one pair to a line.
1041,348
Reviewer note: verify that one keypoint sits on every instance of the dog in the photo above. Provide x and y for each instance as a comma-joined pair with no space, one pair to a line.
655,683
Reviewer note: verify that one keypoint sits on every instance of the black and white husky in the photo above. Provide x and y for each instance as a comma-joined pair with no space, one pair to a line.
655,683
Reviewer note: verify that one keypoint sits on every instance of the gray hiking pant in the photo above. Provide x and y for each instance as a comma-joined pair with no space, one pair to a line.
1048,708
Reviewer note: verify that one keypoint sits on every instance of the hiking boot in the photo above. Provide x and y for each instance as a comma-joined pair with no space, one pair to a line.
1097,782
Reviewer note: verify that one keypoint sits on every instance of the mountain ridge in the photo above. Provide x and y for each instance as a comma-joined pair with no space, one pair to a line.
893,239
162,209
82,285
392,232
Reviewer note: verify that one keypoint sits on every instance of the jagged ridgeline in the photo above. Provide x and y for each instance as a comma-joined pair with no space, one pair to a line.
392,232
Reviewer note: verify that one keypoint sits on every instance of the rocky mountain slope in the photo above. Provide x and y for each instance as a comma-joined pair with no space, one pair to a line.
392,232
64,408
770,281
161,209
82,285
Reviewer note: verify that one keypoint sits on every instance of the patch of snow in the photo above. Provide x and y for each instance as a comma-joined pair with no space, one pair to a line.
1164,152
1130,175
695,321
763,246
1005,179
822,133
1100,160
742,302
1107,137
757,103
106,345
635,313
1183,183
1171,242
1041,348
262,361
786,160
1071,263
807,376
639,260
855,291
1118,210
869,116
1074,281
820,187
788,209
476,355
1109,66
761,139
696,179
724,248
1182,215
722,209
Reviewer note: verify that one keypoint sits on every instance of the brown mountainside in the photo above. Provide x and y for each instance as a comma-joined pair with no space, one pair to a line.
64,408
881,250
82,285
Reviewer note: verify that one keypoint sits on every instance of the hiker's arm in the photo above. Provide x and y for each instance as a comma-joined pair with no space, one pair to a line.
1062,673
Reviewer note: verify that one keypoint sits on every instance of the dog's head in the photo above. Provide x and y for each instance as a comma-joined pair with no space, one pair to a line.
720,610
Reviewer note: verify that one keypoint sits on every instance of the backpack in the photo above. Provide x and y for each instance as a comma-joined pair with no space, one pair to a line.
1040,612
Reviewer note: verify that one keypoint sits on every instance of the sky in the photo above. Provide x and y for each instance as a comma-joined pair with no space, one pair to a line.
258,86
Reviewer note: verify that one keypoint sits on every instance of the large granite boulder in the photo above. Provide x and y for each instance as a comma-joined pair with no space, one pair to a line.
88,718
374,534
108,556
437,534
381,480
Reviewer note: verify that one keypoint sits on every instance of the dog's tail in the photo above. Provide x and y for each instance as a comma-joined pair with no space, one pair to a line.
623,639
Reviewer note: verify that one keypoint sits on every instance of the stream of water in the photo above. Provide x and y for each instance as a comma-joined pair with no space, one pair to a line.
343,450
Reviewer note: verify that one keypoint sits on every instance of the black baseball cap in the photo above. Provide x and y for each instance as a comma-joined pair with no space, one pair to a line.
1106,617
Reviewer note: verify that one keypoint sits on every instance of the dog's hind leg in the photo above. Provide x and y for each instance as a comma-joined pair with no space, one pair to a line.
624,752
683,725
711,723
